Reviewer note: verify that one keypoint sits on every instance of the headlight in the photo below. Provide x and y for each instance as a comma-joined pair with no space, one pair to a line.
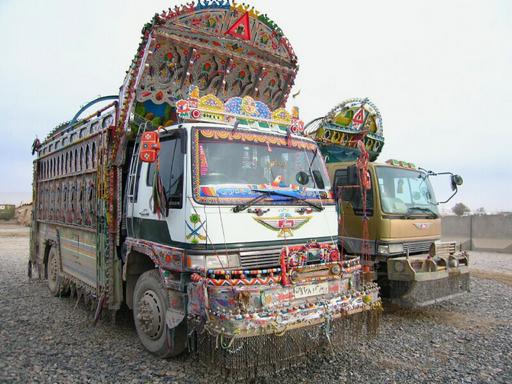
389,249
213,261
336,269
396,248
383,250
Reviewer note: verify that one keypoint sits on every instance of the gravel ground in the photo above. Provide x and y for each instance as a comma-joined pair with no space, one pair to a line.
46,340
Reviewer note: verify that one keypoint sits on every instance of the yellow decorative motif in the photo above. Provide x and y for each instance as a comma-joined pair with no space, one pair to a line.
194,93
211,103
295,112
242,8
282,116
344,118
248,105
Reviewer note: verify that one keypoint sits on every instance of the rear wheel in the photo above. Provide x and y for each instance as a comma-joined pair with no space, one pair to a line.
53,272
150,304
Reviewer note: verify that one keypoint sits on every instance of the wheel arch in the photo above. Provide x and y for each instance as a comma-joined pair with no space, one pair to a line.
136,264
48,244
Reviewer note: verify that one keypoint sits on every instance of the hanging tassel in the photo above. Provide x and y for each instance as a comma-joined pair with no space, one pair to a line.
289,137
159,196
284,261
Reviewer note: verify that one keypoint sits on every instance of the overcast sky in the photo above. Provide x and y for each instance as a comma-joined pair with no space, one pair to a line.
439,71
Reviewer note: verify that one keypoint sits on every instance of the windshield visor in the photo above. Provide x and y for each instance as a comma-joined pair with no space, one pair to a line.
406,191
233,168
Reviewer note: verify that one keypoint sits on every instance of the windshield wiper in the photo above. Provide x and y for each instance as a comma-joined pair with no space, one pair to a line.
284,194
266,193
244,206
423,209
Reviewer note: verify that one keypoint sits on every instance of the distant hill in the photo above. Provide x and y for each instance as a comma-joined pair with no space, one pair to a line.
23,214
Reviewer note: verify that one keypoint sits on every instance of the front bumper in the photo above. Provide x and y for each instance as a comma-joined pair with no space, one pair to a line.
262,305
256,325
420,280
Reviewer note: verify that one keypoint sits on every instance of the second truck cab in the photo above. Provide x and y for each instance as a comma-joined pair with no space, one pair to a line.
402,212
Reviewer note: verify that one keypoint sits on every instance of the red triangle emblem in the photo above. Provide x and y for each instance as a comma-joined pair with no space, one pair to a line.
240,28
358,117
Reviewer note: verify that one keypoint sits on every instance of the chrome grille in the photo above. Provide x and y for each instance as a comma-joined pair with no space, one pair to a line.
417,247
263,258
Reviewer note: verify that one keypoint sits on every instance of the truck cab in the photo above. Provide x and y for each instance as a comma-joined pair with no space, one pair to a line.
232,190
413,267
403,218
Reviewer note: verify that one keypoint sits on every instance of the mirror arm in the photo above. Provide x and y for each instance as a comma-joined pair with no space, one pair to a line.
453,194
432,173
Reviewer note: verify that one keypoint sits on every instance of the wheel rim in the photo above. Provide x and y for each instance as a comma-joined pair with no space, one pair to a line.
150,315
53,272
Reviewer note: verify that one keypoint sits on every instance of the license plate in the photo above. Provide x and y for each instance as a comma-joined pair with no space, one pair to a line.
310,290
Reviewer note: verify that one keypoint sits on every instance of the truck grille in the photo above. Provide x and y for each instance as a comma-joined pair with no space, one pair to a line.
417,247
263,258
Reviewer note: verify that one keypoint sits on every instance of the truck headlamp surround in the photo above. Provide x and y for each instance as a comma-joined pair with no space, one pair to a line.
206,262
383,249
390,249
396,248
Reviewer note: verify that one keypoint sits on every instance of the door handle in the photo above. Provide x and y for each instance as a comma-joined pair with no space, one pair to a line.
144,212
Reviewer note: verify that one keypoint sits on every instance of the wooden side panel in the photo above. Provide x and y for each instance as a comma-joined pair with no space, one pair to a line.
65,205
78,252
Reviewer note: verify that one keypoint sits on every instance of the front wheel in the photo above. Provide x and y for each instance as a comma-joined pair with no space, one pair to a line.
150,304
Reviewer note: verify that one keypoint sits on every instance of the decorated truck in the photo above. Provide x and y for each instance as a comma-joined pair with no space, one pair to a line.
388,211
194,198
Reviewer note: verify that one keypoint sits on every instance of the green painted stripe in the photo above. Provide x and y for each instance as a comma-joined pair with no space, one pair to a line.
158,232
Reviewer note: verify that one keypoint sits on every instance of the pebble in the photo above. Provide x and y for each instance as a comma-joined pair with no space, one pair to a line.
43,339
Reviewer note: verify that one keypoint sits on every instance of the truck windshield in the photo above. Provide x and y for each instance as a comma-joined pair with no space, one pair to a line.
406,191
232,168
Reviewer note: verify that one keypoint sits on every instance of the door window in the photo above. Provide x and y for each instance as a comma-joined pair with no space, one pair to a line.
171,164
352,193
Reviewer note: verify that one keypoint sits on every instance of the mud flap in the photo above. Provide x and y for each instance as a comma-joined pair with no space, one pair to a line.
177,309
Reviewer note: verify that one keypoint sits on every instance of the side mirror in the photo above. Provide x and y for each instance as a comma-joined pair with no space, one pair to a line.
302,178
319,181
149,146
456,180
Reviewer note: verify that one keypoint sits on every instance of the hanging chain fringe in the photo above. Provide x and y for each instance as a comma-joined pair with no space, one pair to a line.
256,356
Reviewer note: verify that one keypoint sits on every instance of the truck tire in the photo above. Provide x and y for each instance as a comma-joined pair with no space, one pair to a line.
53,273
150,304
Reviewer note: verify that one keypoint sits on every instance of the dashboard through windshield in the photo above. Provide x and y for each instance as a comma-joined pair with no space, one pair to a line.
234,167
406,191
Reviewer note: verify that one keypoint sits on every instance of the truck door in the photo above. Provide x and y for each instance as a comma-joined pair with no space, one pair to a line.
145,222
349,191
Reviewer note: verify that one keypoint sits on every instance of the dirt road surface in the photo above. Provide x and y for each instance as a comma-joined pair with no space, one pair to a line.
44,339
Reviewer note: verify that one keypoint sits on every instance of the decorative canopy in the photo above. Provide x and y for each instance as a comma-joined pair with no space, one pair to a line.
340,130
245,110
224,48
